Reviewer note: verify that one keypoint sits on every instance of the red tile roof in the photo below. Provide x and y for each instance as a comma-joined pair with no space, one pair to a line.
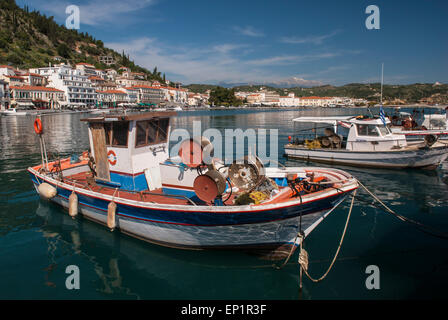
85,64
112,92
35,88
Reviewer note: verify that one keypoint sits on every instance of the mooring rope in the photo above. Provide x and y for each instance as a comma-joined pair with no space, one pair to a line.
303,255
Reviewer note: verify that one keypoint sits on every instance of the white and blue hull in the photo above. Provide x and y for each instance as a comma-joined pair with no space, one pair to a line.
418,158
203,227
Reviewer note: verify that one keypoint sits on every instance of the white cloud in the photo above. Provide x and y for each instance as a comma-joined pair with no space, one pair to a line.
97,12
291,59
248,31
309,39
208,64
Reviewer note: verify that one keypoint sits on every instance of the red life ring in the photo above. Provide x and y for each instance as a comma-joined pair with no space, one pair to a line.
112,157
38,126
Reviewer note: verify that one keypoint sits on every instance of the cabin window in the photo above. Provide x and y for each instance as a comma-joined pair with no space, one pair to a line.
384,130
367,130
151,132
108,132
120,132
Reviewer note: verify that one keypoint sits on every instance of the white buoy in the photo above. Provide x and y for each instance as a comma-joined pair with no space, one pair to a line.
73,205
111,210
46,190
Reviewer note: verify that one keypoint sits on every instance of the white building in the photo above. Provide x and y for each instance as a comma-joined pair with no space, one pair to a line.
76,86
86,69
7,71
289,101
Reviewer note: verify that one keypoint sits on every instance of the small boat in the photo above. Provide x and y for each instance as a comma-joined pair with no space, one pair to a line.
369,143
18,112
418,126
173,108
190,201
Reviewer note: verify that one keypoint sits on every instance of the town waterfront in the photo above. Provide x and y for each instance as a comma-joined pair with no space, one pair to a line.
38,240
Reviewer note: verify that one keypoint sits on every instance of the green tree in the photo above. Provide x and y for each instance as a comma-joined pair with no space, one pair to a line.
63,50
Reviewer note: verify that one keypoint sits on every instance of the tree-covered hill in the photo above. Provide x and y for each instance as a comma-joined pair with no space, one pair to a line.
30,39
411,93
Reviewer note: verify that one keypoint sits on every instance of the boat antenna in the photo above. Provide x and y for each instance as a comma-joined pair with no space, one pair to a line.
382,79
382,114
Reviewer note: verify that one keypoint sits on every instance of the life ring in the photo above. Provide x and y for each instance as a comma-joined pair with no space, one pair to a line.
112,157
38,126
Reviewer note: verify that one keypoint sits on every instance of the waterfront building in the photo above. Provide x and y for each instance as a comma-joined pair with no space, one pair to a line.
34,79
171,94
132,95
77,87
149,94
37,96
4,95
289,101
254,98
14,80
111,98
197,99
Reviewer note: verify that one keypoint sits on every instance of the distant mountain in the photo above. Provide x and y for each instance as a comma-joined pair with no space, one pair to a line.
294,82
282,83
30,39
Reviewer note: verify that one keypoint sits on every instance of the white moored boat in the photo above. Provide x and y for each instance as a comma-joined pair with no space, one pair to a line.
130,183
369,143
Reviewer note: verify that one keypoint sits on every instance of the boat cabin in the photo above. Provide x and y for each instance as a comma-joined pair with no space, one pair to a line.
364,134
128,149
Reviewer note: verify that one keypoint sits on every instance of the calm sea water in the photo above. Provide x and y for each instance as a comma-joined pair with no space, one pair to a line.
38,240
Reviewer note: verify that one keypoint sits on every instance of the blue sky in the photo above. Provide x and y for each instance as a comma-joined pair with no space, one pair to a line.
310,42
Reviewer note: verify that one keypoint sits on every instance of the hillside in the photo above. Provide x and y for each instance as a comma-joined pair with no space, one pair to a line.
31,39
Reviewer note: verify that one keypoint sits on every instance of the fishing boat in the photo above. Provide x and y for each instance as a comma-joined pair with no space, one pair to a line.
129,182
18,112
417,126
369,143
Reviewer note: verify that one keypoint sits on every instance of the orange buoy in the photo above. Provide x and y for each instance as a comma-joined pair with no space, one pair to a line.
38,126
112,157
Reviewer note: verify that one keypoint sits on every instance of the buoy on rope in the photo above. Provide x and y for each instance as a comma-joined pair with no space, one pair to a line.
38,126
46,190
111,210
73,205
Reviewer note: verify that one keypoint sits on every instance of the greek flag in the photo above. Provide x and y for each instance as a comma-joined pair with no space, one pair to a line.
382,115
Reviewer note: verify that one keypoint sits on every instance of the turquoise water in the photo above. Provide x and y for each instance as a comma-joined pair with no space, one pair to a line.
38,240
